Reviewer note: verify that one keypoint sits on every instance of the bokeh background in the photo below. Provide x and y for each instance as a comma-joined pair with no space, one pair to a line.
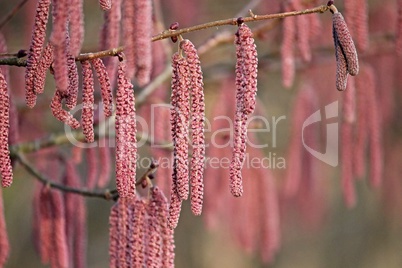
369,235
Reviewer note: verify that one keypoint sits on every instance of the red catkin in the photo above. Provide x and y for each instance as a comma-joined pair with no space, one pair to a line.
114,236
75,212
136,233
73,83
104,82
166,255
60,114
180,117
361,25
349,102
105,4
60,248
348,186
110,36
154,252
128,18
287,51
60,41
398,43
303,36
43,66
5,161
345,41
35,50
126,142
92,166
175,204
4,244
76,21
360,144
197,126
44,223
105,165
88,101
341,66
143,27
246,85
374,126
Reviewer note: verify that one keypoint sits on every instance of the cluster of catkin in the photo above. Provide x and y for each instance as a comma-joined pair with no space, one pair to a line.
345,50
187,114
298,32
59,55
361,129
139,232
59,223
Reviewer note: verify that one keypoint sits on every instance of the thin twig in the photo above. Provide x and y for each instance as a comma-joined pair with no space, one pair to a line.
233,21
168,33
108,195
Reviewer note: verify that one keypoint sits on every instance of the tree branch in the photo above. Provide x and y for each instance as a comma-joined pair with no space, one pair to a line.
107,194
233,21
169,33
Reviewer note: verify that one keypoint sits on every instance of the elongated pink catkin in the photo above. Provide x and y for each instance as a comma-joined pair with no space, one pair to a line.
4,244
92,166
104,82
349,102
60,41
341,66
88,102
76,21
360,144
114,239
197,127
43,65
105,4
154,234
59,113
174,206
361,25
167,254
345,41
75,216
246,86
287,51
60,245
35,50
110,36
302,33
105,160
398,34
300,112
374,127
180,117
137,231
126,141
128,19
348,187
142,40
5,161
44,222
80,235
73,83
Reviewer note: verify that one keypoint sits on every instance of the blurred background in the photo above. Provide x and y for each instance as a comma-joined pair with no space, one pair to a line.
329,234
